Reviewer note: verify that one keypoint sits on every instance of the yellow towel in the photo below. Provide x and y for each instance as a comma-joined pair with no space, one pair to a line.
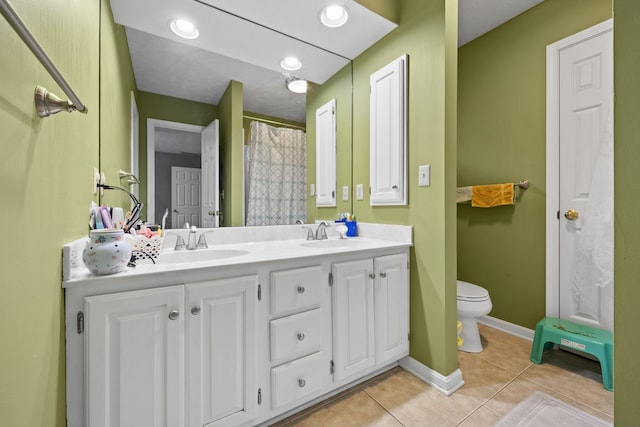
488,196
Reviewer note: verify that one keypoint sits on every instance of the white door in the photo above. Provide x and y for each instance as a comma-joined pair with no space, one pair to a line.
391,308
135,358
326,154
210,179
585,176
353,322
185,196
388,130
221,351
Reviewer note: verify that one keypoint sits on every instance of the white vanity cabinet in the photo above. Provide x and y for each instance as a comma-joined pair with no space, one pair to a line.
142,348
134,363
370,313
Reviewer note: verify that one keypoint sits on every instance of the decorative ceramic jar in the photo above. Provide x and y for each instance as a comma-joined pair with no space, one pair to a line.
106,251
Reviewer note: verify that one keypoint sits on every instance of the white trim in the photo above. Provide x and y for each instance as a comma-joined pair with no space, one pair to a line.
152,124
445,385
135,143
510,328
553,162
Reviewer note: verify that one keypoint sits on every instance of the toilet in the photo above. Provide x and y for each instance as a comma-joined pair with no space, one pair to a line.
473,302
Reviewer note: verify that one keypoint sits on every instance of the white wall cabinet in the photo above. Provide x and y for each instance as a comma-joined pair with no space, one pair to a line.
326,154
371,313
388,134
134,358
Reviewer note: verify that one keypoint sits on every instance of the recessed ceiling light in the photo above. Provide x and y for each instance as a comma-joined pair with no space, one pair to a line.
184,28
291,63
297,85
334,15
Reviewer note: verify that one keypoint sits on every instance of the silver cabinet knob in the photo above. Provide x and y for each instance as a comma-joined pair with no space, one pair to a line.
300,336
301,382
383,274
174,314
372,276
195,310
301,289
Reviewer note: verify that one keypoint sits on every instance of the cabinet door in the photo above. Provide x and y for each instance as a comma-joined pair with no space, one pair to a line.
135,358
388,130
353,328
391,308
326,154
221,351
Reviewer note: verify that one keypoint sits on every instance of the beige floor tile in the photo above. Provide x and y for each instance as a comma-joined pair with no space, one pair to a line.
283,423
354,410
522,388
574,376
504,350
483,417
481,378
414,403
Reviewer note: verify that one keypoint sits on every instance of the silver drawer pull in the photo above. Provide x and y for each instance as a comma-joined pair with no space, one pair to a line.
300,336
301,289
383,275
301,382
372,276
195,310
174,314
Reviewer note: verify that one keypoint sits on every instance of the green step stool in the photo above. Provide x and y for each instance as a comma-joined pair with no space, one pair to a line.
598,342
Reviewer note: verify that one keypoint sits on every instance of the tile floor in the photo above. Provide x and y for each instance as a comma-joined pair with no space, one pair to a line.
495,381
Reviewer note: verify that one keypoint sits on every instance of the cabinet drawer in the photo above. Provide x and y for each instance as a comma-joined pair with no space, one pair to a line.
295,336
293,290
297,379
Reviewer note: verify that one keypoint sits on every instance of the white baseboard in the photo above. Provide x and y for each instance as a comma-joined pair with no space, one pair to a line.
445,385
510,328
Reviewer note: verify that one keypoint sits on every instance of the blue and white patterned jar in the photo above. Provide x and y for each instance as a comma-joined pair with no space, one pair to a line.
106,251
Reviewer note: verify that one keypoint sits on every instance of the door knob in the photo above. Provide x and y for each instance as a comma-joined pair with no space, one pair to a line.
571,215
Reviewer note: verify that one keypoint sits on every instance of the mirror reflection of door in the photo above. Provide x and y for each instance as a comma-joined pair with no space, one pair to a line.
179,145
185,196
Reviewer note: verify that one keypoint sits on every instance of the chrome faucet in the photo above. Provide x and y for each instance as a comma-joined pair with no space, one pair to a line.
321,233
191,242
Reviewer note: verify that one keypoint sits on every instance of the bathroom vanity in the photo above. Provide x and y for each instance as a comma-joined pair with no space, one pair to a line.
261,324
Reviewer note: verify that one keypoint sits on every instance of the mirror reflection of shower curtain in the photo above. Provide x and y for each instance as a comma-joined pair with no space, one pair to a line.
277,175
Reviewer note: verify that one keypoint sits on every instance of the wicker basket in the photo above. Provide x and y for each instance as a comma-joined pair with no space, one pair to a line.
147,247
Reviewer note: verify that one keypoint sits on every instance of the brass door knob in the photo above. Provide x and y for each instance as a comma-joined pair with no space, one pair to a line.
571,215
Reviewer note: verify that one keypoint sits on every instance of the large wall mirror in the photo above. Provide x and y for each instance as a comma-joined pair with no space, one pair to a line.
236,71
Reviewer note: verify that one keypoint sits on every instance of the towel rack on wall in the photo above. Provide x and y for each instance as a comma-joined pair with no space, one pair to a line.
463,194
46,102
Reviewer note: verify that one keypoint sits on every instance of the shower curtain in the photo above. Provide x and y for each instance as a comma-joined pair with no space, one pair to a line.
277,175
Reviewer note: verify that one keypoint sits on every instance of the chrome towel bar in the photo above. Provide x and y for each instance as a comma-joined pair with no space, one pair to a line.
46,102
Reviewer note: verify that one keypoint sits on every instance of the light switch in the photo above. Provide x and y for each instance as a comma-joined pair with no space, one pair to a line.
345,193
312,190
424,175
359,192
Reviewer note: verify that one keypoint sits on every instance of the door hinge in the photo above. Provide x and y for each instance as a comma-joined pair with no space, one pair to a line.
330,279
259,292
80,322
558,215
332,368
333,194
259,396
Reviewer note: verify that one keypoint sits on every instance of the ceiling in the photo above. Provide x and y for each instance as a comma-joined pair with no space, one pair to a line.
246,40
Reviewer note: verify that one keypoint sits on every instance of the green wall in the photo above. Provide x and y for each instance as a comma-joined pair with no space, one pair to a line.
154,106
338,87
502,138
231,153
427,32
627,230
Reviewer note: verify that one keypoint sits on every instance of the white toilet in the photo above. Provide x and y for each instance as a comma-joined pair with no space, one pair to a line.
473,302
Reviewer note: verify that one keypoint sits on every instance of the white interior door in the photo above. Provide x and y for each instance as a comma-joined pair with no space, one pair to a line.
210,176
185,196
326,154
585,177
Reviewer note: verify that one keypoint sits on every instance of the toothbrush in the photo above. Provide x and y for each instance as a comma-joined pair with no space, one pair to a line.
164,218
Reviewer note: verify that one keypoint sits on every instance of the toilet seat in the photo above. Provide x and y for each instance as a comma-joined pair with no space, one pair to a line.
470,292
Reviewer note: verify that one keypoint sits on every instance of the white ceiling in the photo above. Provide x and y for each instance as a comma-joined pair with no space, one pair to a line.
245,41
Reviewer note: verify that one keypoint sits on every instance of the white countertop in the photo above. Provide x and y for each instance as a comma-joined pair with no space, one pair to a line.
241,246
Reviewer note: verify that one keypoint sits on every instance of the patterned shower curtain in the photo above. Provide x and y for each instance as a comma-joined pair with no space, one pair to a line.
277,159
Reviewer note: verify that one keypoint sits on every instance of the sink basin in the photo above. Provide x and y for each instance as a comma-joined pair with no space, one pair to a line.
198,255
331,244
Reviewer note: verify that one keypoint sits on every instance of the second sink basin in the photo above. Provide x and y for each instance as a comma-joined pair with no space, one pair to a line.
198,255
